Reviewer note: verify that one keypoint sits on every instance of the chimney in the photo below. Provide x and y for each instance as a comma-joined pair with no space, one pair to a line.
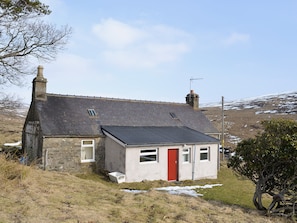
39,85
193,100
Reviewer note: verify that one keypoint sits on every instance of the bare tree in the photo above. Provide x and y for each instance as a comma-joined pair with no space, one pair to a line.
9,102
24,36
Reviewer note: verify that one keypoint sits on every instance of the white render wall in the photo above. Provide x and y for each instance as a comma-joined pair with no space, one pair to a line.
116,159
136,171
202,168
114,156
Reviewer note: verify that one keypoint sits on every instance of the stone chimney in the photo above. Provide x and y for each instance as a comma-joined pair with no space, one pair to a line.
193,100
39,85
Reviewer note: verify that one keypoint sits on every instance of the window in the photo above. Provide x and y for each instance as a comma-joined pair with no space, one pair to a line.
204,153
186,155
92,112
173,115
148,155
87,151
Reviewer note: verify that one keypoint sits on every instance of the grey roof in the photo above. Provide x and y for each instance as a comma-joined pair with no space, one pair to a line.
68,115
131,135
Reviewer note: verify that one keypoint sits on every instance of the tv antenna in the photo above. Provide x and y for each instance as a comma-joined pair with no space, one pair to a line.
193,79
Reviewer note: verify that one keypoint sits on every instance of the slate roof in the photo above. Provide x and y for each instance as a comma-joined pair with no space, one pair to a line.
135,136
62,115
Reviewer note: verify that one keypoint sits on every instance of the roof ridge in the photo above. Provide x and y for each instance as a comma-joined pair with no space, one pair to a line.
113,99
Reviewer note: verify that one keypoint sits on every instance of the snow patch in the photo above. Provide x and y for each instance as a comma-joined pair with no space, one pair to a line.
178,190
284,103
186,190
134,191
13,144
233,139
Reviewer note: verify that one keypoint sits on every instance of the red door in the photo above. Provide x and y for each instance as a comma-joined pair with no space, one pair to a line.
172,164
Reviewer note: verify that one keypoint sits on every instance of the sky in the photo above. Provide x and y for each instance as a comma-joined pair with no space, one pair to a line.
149,50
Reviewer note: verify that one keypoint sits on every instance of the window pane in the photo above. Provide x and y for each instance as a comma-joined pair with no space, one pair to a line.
186,155
89,153
148,155
83,153
203,156
92,112
148,158
148,151
88,142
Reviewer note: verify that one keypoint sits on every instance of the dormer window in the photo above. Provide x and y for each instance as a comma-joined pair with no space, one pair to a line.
92,112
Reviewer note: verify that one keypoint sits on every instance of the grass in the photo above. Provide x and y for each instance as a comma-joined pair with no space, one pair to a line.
31,195
11,172
234,191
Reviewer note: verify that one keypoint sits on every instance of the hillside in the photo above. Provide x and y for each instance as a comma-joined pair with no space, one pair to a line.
31,195
11,125
28,194
243,118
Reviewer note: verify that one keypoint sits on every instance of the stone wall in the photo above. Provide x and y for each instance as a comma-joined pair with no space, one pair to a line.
64,154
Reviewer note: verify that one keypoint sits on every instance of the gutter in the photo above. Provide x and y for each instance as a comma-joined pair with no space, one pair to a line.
168,144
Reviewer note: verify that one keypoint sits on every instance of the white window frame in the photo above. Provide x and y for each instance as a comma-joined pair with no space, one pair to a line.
203,151
186,152
145,153
84,146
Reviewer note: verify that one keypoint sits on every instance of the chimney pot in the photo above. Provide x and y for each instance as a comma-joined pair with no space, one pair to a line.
40,71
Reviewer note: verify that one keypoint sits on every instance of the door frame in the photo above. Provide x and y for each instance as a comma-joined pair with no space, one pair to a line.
172,164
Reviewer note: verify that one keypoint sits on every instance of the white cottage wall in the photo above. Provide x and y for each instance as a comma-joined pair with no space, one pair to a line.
114,156
127,161
137,171
198,169
206,168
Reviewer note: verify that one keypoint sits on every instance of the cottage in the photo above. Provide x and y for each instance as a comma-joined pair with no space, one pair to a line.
144,140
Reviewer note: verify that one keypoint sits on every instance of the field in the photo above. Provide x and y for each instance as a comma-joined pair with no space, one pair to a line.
31,195
28,194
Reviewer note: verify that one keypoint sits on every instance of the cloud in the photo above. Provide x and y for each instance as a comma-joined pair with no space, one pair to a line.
235,38
140,45
147,56
166,52
117,34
